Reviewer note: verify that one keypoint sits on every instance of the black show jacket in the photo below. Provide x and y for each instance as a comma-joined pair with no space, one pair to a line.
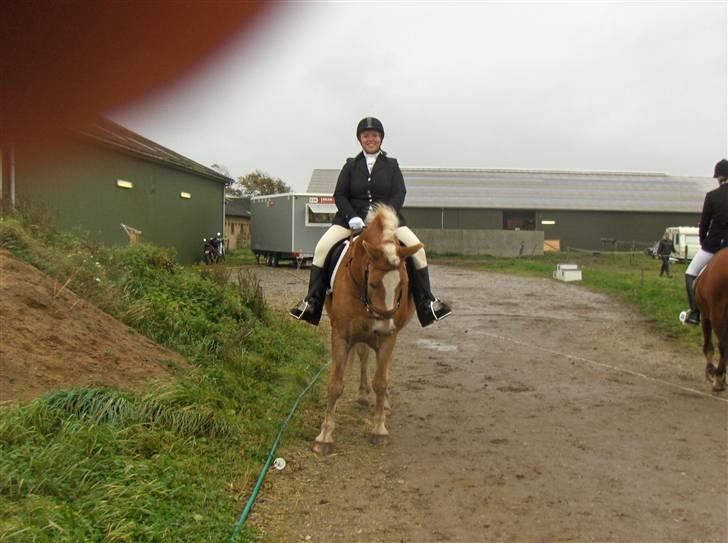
714,220
357,189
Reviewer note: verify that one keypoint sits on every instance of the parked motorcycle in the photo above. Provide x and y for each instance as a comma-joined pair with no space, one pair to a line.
209,252
219,243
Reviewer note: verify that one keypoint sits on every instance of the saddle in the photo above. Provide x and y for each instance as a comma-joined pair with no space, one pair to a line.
336,257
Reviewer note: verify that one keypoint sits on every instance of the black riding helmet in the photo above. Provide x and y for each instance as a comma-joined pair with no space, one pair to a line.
369,123
721,169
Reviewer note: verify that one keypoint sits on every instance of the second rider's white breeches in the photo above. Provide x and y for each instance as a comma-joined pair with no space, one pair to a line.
336,233
699,261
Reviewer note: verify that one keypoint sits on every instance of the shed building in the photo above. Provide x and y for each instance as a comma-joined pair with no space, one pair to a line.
104,176
237,222
590,210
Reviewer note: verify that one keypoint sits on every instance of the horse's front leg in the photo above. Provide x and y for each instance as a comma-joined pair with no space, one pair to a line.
708,348
362,351
380,384
324,443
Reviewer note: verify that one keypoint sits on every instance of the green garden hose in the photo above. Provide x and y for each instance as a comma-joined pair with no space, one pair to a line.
266,466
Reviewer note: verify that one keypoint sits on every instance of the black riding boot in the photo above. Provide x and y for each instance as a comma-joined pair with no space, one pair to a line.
310,308
429,308
694,315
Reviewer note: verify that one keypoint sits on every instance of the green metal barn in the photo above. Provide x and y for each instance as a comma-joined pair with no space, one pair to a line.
113,184
578,210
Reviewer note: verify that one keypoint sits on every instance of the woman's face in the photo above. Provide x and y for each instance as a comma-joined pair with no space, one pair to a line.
371,141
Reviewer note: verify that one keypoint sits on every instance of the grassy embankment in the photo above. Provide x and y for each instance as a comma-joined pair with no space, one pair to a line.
174,463
632,279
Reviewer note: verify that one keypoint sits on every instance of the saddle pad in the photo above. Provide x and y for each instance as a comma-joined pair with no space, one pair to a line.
334,258
336,261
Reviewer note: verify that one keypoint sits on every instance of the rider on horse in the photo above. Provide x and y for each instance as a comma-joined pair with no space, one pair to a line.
369,178
713,234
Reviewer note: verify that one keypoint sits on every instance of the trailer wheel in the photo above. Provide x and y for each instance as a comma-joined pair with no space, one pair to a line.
269,259
274,260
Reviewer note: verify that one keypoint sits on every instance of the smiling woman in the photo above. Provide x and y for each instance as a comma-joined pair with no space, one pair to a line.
370,179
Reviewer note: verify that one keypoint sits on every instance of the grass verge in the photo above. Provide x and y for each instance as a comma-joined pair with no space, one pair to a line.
177,462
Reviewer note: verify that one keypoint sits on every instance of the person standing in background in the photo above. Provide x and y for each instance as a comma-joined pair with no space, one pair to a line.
665,248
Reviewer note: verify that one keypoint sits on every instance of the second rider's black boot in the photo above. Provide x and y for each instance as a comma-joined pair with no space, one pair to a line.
694,315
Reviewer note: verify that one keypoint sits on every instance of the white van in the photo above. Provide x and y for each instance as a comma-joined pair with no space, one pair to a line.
686,241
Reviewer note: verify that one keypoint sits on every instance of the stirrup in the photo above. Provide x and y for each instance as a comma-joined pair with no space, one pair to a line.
433,311
307,312
689,317
298,311
439,309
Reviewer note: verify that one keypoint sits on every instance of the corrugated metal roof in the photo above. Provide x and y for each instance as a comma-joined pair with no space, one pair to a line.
543,189
111,134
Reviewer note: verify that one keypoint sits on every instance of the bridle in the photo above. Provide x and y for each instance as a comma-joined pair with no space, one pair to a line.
376,312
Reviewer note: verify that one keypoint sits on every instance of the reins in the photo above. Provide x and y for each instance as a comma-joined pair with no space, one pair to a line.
373,310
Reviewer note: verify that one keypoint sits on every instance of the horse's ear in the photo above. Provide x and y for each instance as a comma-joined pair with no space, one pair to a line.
372,251
409,251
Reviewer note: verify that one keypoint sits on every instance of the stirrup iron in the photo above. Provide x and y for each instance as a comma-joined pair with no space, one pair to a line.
298,311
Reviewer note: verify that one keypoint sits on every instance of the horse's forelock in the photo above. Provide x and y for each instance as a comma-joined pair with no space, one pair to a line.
387,218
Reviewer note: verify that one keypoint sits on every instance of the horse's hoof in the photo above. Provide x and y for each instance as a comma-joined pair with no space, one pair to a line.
361,400
388,411
379,439
323,448
718,386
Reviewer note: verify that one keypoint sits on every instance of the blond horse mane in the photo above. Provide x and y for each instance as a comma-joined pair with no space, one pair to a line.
385,218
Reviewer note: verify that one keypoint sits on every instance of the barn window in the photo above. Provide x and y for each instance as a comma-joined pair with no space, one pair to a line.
548,222
519,220
185,195
122,184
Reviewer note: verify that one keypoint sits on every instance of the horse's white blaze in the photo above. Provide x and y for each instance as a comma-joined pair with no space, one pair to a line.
390,282
390,253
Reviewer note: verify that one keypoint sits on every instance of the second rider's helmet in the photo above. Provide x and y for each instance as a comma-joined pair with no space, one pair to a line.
721,169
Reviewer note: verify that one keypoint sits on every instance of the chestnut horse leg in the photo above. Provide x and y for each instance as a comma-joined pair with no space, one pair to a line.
362,351
324,443
708,348
380,435
719,378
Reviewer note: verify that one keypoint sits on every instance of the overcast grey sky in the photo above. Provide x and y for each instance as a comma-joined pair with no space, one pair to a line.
629,86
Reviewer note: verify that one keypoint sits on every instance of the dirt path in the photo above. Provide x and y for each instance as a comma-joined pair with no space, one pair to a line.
540,412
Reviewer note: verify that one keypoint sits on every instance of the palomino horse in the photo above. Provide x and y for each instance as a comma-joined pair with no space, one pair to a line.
370,304
711,295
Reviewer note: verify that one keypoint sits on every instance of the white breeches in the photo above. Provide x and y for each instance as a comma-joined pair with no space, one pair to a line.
699,261
336,233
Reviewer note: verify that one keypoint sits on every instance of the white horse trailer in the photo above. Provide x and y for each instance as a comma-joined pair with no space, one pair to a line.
686,241
286,227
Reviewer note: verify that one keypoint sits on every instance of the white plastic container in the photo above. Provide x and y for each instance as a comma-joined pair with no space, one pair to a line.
567,272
